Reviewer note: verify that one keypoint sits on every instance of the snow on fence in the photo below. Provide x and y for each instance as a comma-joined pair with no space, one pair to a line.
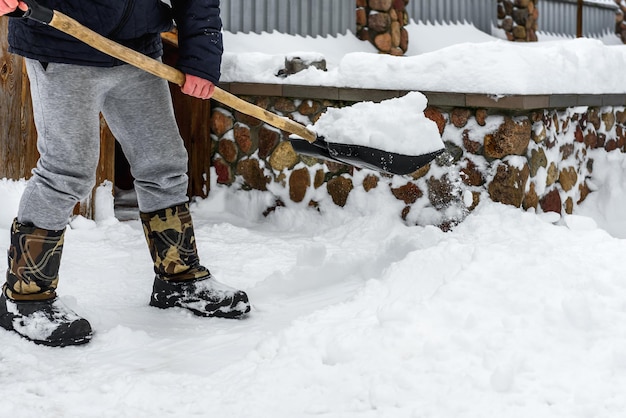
295,17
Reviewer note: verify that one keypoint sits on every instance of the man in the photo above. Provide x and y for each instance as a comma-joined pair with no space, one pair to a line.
71,84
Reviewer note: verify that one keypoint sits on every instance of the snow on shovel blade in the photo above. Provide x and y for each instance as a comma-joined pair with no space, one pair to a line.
364,157
393,136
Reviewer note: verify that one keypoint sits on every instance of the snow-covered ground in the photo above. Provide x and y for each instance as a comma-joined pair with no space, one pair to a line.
355,313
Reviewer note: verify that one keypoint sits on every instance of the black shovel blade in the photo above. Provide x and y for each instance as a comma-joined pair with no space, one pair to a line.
317,149
364,157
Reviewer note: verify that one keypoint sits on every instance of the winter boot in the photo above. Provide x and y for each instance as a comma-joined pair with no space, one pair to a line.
28,302
181,281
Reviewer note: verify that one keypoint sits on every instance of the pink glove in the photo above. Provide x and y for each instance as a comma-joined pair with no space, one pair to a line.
8,6
194,86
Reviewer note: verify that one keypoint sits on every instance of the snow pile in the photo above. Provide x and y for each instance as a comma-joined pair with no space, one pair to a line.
498,67
489,65
355,314
395,125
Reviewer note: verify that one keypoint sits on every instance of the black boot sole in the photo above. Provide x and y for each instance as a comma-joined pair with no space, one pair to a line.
203,297
77,332
55,342
228,311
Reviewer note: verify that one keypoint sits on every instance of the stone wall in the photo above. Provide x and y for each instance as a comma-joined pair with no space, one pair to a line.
251,155
540,159
382,23
519,19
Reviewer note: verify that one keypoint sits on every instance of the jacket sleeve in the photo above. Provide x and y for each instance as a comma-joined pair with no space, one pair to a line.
199,37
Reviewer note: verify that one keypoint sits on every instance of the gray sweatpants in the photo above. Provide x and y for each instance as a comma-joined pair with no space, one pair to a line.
67,101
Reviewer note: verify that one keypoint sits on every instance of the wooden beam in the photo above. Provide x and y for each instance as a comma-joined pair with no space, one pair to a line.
579,19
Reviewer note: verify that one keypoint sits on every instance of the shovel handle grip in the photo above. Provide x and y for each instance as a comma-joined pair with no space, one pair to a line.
71,27
37,12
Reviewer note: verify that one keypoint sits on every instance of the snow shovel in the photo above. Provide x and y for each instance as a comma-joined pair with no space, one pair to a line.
310,144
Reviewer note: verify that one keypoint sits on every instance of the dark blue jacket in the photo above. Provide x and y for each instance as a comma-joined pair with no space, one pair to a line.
136,24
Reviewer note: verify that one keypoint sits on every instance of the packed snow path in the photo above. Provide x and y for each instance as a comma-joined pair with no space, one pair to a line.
355,315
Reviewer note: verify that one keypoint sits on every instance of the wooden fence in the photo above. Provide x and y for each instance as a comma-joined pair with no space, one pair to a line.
18,153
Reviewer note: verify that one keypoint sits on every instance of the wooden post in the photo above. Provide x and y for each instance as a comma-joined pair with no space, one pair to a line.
18,137
193,117
194,122
579,19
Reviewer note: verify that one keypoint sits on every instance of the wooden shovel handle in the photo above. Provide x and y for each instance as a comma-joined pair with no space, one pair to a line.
70,26
250,109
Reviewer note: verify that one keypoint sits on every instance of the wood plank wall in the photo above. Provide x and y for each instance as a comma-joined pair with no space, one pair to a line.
18,150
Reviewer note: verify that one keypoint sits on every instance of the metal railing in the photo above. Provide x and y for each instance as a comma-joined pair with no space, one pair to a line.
333,17
295,17
559,17
555,16
480,13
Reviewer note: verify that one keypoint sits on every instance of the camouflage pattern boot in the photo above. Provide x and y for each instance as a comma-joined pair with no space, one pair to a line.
28,302
181,281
